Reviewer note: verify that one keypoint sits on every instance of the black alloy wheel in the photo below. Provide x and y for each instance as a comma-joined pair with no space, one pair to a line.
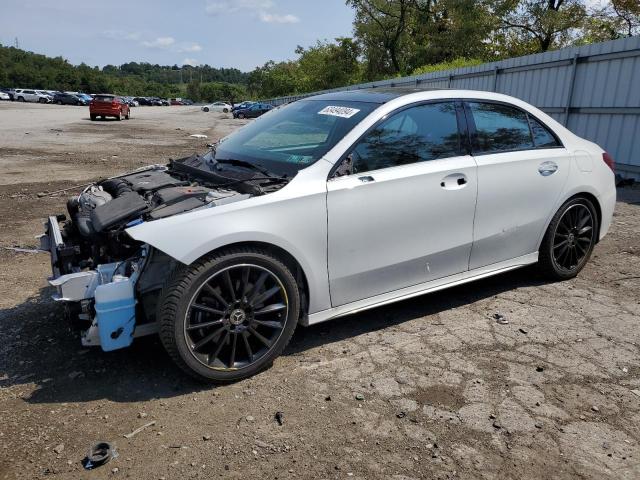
236,317
570,239
573,237
229,316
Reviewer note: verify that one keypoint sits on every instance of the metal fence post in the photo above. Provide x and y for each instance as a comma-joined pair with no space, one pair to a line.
495,78
572,81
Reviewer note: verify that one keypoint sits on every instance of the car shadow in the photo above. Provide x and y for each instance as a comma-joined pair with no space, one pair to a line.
39,347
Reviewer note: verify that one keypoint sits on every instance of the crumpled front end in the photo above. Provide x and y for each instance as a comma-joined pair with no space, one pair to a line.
109,281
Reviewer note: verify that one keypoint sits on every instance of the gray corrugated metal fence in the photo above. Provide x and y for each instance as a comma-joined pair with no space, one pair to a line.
594,90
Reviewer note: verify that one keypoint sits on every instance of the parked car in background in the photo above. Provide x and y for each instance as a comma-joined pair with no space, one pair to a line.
253,111
45,93
8,91
217,107
106,105
186,101
143,101
176,101
69,99
131,101
4,96
242,106
29,95
85,96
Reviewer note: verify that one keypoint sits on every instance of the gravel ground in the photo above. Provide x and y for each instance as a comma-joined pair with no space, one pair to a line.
433,387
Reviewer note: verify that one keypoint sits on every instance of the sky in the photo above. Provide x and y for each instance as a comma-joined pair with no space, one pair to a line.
222,33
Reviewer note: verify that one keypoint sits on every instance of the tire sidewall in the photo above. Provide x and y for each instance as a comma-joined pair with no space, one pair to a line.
194,281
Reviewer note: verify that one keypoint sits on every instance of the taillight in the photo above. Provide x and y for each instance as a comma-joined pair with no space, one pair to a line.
608,159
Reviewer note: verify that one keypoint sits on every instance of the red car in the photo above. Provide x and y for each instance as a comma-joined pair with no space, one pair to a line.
105,105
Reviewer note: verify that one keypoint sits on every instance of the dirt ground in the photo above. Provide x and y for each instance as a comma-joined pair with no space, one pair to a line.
433,387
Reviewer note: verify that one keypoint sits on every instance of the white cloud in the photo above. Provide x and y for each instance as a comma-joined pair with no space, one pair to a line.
189,47
263,9
232,6
190,61
277,18
160,42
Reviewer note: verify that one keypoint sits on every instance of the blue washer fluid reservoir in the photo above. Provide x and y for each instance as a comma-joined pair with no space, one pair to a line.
115,313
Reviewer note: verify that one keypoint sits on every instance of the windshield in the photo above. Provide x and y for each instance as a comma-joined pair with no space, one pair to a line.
293,137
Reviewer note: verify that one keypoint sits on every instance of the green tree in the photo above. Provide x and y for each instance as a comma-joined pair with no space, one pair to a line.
540,25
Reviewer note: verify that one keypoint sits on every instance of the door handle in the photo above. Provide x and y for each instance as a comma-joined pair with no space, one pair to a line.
547,168
367,179
455,181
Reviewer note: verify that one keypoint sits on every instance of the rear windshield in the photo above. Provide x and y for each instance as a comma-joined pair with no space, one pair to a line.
104,98
293,137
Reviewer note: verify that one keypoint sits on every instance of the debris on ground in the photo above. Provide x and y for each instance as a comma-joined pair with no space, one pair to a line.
138,430
359,397
98,455
279,416
59,448
198,135
523,331
500,318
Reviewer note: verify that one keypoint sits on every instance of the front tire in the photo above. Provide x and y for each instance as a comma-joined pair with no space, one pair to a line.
205,109
569,240
229,315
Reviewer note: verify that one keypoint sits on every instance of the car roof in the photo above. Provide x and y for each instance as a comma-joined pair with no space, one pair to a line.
372,95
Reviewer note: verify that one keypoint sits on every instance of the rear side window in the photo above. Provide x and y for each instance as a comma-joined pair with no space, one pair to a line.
500,128
542,137
103,98
416,134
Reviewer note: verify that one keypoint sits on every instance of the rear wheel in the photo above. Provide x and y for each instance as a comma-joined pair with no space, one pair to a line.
21,99
225,110
93,117
42,100
128,115
569,240
241,115
228,316
119,117
59,102
205,109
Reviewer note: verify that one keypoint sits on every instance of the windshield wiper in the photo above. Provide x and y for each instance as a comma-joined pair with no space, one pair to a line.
253,166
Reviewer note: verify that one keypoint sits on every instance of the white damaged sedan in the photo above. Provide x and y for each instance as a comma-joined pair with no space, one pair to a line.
325,207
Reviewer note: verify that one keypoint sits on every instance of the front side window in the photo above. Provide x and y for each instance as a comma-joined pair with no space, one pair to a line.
500,128
416,134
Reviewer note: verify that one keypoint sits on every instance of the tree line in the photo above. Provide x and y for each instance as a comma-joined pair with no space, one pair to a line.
19,68
390,38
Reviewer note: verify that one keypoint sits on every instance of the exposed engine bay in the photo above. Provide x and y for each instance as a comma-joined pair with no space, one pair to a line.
109,281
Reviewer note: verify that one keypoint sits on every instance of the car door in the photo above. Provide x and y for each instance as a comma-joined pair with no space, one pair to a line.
522,168
403,213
